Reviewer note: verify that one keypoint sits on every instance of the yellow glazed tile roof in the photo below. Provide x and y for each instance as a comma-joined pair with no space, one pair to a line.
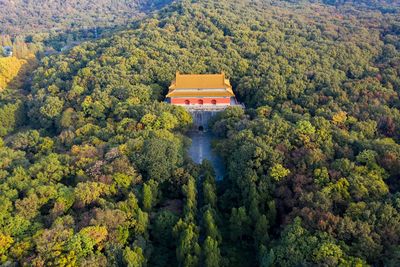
200,93
200,85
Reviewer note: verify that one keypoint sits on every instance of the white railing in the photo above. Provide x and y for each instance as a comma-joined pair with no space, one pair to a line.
209,107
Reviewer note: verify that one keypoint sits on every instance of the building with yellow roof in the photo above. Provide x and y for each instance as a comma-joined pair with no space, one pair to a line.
201,89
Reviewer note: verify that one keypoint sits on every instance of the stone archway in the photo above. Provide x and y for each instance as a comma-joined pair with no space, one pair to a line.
200,102
187,102
214,102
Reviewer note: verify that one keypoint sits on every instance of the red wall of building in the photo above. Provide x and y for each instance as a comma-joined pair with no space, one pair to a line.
195,100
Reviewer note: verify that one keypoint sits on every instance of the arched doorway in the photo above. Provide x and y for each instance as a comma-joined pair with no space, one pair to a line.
214,102
187,102
200,101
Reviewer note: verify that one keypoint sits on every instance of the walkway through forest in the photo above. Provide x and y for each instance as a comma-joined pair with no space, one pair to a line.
201,149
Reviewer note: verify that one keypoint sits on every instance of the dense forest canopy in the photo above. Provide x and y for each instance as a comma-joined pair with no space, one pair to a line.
94,168
34,16
385,6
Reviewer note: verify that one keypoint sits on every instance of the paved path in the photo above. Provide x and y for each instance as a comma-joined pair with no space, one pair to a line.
201,149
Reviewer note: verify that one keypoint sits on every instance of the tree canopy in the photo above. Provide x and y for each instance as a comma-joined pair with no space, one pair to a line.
94,169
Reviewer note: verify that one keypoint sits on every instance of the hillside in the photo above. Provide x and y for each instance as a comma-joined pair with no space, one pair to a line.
98,173
21,17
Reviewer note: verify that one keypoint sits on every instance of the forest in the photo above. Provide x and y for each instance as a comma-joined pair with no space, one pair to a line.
40,16
94,169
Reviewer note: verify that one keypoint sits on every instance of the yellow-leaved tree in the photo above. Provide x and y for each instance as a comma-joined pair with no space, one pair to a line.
13,71
9,69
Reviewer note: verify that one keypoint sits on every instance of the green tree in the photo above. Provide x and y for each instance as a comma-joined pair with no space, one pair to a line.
153,159
261,230
147,198
239,223
277,172
134,258
212,255
188,249
190,192
163,226
210,226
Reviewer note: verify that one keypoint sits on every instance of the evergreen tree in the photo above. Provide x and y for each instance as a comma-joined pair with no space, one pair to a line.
188,249
261,231
190,192
239,223
212,255
147,198
210,227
